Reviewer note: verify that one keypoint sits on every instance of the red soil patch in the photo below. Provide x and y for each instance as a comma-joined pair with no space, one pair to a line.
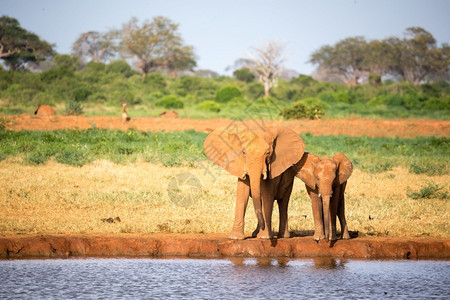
44,110
406,128
217,245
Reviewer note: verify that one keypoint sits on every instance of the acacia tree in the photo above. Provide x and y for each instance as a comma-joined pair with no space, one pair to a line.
419,55
380,57
345,59
415,58
267,64
156,46
19,47
97,46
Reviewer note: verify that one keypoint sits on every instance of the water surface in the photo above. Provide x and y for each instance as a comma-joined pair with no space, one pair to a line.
223,278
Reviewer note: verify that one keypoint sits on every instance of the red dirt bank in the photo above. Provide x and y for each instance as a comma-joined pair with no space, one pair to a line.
216,245
406,128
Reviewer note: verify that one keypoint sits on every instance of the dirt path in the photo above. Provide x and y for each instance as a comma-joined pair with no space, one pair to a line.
405,128
217,245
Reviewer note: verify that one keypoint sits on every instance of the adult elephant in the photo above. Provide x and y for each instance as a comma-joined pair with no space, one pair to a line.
259,157
325,180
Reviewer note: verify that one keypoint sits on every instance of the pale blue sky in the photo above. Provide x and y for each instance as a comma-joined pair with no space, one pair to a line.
222,31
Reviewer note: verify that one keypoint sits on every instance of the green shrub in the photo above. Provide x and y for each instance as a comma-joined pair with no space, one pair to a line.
310,108
430,168
227,93
72,157
120,67
342,96
81,94
187,84
74,108
378,100
435,103
37,158
414,100
430,191
255,90
170,101
56,73
123,96
376,167
394,99
244,74
155,95
155,81
209,106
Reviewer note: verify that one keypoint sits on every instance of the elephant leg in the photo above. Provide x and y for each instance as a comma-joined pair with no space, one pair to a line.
334,201
267,203
242,195
341,213
283,231
283,204
317,210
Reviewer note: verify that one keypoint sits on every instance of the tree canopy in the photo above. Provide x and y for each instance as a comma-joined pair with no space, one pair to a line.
96,46
19,47
156,46
413,58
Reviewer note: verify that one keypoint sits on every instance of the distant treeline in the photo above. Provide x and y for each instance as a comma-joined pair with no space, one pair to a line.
110,85
382,77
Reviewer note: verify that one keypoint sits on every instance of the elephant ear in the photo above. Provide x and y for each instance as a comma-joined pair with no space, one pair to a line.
307,166
223,147
344,169
288,150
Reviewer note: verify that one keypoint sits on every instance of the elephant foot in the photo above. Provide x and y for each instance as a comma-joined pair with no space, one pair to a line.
319,237
264,235
237,235
285,235
346,236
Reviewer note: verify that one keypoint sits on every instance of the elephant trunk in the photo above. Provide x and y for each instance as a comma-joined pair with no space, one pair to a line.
255,187
326,216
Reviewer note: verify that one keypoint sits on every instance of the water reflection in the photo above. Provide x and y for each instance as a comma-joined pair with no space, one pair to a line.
328,263
238,277
259,261
320,263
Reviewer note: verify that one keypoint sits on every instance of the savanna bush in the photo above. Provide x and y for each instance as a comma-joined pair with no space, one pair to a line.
436,103
310,108
155,81
209,106
123,96
255,90
170,101
244,74
120,67
81,94
74,108
227,93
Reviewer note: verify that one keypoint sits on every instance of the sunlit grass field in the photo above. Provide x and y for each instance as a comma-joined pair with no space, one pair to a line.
69,182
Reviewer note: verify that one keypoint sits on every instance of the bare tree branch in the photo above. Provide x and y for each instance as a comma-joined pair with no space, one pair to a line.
267,64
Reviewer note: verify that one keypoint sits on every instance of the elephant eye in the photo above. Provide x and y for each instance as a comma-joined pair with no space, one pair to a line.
243,152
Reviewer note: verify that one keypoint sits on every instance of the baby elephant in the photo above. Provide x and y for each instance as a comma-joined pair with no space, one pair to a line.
325,181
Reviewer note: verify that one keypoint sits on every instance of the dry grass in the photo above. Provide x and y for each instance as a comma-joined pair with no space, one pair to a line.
60,199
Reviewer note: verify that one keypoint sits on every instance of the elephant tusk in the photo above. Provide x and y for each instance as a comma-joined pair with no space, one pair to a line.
320,195
264,175
244,175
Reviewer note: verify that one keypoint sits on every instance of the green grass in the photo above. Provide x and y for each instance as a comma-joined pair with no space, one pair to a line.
76,147
421,155
429,191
